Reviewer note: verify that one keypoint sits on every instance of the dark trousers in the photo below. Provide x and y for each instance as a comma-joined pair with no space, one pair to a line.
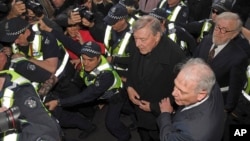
148,135
113,122
71,119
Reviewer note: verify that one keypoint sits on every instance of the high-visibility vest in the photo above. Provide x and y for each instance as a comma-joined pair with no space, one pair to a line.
205,28
35,51
103,66
8,97
172,17
120,48
172,35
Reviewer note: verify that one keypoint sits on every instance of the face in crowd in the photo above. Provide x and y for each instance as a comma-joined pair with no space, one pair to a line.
89,63
226,28
147,34
73,30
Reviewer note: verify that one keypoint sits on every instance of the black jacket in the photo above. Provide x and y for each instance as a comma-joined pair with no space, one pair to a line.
229,67
157,80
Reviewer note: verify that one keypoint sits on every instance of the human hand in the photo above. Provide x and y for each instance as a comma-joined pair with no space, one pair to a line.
145,105
51,105
133,96
165,105
2,109
7,51
43,26
79,38
74,18
87,23
17,9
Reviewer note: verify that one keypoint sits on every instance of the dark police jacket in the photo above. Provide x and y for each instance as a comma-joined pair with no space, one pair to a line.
39,124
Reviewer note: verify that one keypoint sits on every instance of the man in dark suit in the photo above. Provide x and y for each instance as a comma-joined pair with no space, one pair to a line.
151,73
230,60
200,115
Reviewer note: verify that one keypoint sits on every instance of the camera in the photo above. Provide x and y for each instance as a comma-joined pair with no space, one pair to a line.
35,7
9,119
85,13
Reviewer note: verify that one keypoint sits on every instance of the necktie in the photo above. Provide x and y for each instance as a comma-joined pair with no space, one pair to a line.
211,54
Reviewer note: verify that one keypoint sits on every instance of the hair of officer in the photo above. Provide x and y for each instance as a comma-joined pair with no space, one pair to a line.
233,17
198,71
148,21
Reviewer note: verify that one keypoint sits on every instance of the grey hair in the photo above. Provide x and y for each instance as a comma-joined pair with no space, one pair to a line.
231,16
149,21
199,71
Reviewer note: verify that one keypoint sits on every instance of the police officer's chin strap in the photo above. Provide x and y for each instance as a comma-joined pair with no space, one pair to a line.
32,35
7,64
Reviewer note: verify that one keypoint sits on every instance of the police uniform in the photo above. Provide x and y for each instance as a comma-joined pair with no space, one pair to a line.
118,44
178,14
201,28
176,33
37,123
44,45
101,83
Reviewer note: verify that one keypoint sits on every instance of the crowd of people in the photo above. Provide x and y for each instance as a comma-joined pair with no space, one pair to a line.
177,68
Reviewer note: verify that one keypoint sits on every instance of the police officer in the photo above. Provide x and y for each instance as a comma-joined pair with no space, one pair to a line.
28,70
118,39
41,48
177,11
102,82
133,12
37,123
176,33
203,27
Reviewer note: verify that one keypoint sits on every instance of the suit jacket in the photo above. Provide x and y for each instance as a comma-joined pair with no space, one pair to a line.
229,66
155,81
200,123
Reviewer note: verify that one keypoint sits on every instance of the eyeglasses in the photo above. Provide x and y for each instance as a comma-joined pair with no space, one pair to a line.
215,11
223,29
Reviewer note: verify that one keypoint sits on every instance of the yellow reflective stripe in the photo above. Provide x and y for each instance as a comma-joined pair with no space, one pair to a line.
107,37
7,99
162,3
172,36
103,67
36,47
246,95
10,137
131,20
174,14
124,43
63,64
14,48
206,27
119,68
21,80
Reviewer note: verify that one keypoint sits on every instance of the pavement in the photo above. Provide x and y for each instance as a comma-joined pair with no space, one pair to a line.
101,133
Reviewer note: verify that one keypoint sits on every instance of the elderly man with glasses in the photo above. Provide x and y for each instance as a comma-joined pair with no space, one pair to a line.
229,61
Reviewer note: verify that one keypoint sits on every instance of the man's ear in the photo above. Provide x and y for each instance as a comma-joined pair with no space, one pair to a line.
202,95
